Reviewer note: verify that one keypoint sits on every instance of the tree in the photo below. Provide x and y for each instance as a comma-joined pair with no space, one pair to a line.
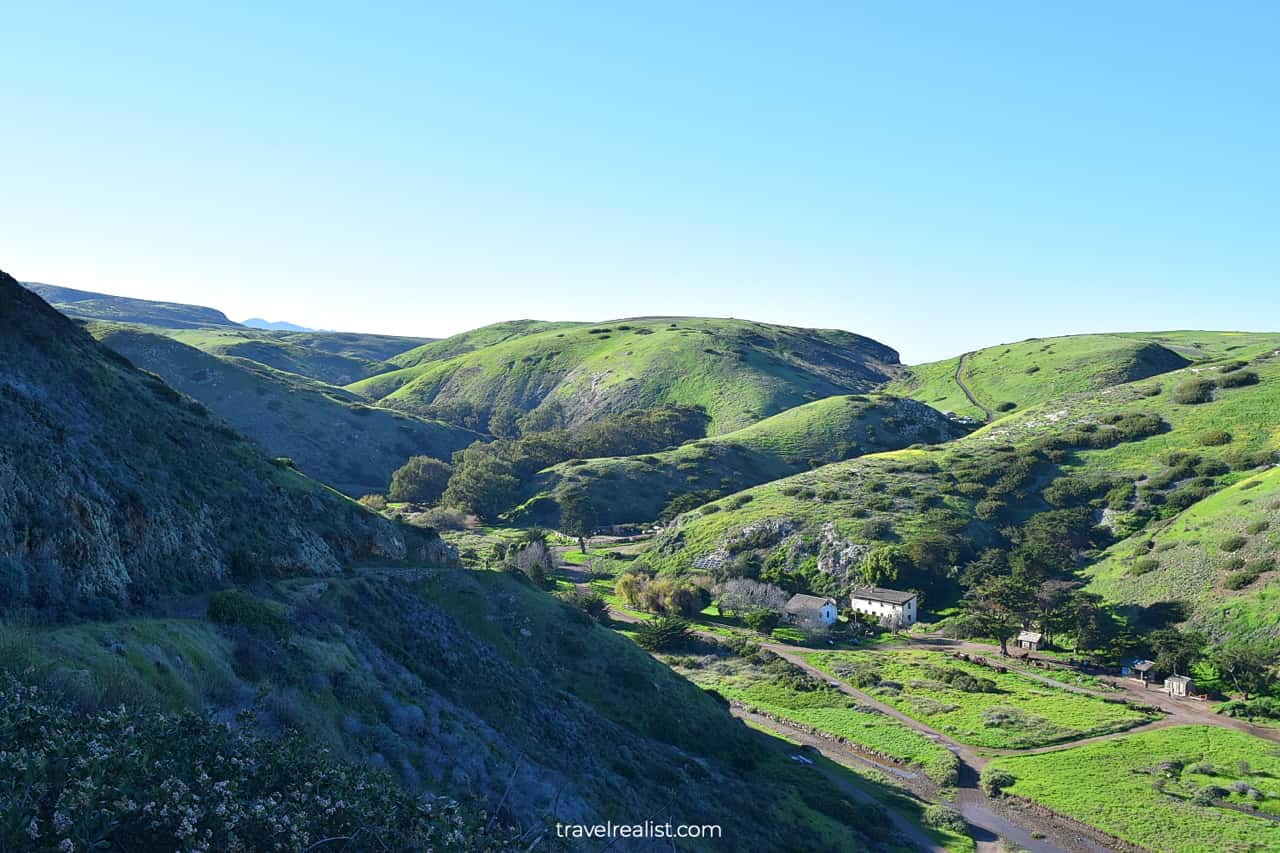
1176,651
420,480
883,564
1054,607
577,515
535,561
999,607
662,633
743,595
760,620
482,483
1247,665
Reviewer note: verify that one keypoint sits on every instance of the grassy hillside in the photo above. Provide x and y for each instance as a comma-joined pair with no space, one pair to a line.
471,684
470,341
1039,369
1133,455
114,486
637,488
738,370
328,432
1217,558
335,358
85,305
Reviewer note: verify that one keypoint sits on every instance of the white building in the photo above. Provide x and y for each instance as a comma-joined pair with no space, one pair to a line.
1179,685
888,606
811,607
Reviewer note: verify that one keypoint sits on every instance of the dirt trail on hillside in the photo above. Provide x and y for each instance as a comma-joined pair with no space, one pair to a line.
990,415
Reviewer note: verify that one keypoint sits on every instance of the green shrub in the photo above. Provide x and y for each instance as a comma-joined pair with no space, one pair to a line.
1233,543
1193,391
943,771
1259,526
1144,566
994,780
1238,380
1006,406
941,817
1214,438
663,633
1240,580
421,480
233,607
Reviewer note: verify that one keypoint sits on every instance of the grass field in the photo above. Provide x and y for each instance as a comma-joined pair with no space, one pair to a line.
1154,789
821,708
1016,712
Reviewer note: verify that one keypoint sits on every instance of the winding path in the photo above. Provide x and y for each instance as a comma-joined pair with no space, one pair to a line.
990,415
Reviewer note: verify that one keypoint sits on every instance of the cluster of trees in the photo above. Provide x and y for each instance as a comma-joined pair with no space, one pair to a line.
664,595
486,478
529,555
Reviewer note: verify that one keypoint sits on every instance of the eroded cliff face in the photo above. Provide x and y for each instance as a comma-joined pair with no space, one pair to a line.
113,485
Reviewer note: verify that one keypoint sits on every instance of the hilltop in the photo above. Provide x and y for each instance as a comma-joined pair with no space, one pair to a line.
739,371
1009,377
649,486
330,434
113,486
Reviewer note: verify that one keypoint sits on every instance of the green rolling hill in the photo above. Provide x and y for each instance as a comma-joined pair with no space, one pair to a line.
637,488
1130,456
738,370
329,433
470,341
1014,376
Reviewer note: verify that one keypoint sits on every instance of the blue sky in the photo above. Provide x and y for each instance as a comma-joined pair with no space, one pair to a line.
940,176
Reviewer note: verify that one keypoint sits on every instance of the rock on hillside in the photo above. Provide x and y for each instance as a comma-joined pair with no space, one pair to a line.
328,432
738,370
113,485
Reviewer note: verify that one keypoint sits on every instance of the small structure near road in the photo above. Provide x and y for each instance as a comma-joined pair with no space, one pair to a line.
889,606
1180,686
803,608
1029,640
1139,669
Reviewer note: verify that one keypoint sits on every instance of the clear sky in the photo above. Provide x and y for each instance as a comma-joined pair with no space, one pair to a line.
940,176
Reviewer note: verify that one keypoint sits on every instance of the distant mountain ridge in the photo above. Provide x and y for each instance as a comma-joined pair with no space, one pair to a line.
87,305
276,326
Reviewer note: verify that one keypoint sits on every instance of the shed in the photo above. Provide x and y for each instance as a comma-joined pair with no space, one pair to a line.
801,607
1139,669
1029,640
1179,685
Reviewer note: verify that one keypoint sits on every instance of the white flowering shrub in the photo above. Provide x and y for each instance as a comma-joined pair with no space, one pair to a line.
126,780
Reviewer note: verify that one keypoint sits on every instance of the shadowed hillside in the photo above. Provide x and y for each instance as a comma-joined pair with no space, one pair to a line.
113,485
329,433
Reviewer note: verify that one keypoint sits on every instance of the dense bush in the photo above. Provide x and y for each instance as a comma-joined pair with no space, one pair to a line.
233,607
1233,543
994,780
939,816
1193,391
1214,438
420,480
1238,380
126,780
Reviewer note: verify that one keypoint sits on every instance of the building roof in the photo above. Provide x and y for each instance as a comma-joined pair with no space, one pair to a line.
1181,679
1029,636
801,603
886,596
1142,665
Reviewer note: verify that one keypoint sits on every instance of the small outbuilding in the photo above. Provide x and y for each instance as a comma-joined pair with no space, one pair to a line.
1029,640
801,608
1139,669
1179,685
